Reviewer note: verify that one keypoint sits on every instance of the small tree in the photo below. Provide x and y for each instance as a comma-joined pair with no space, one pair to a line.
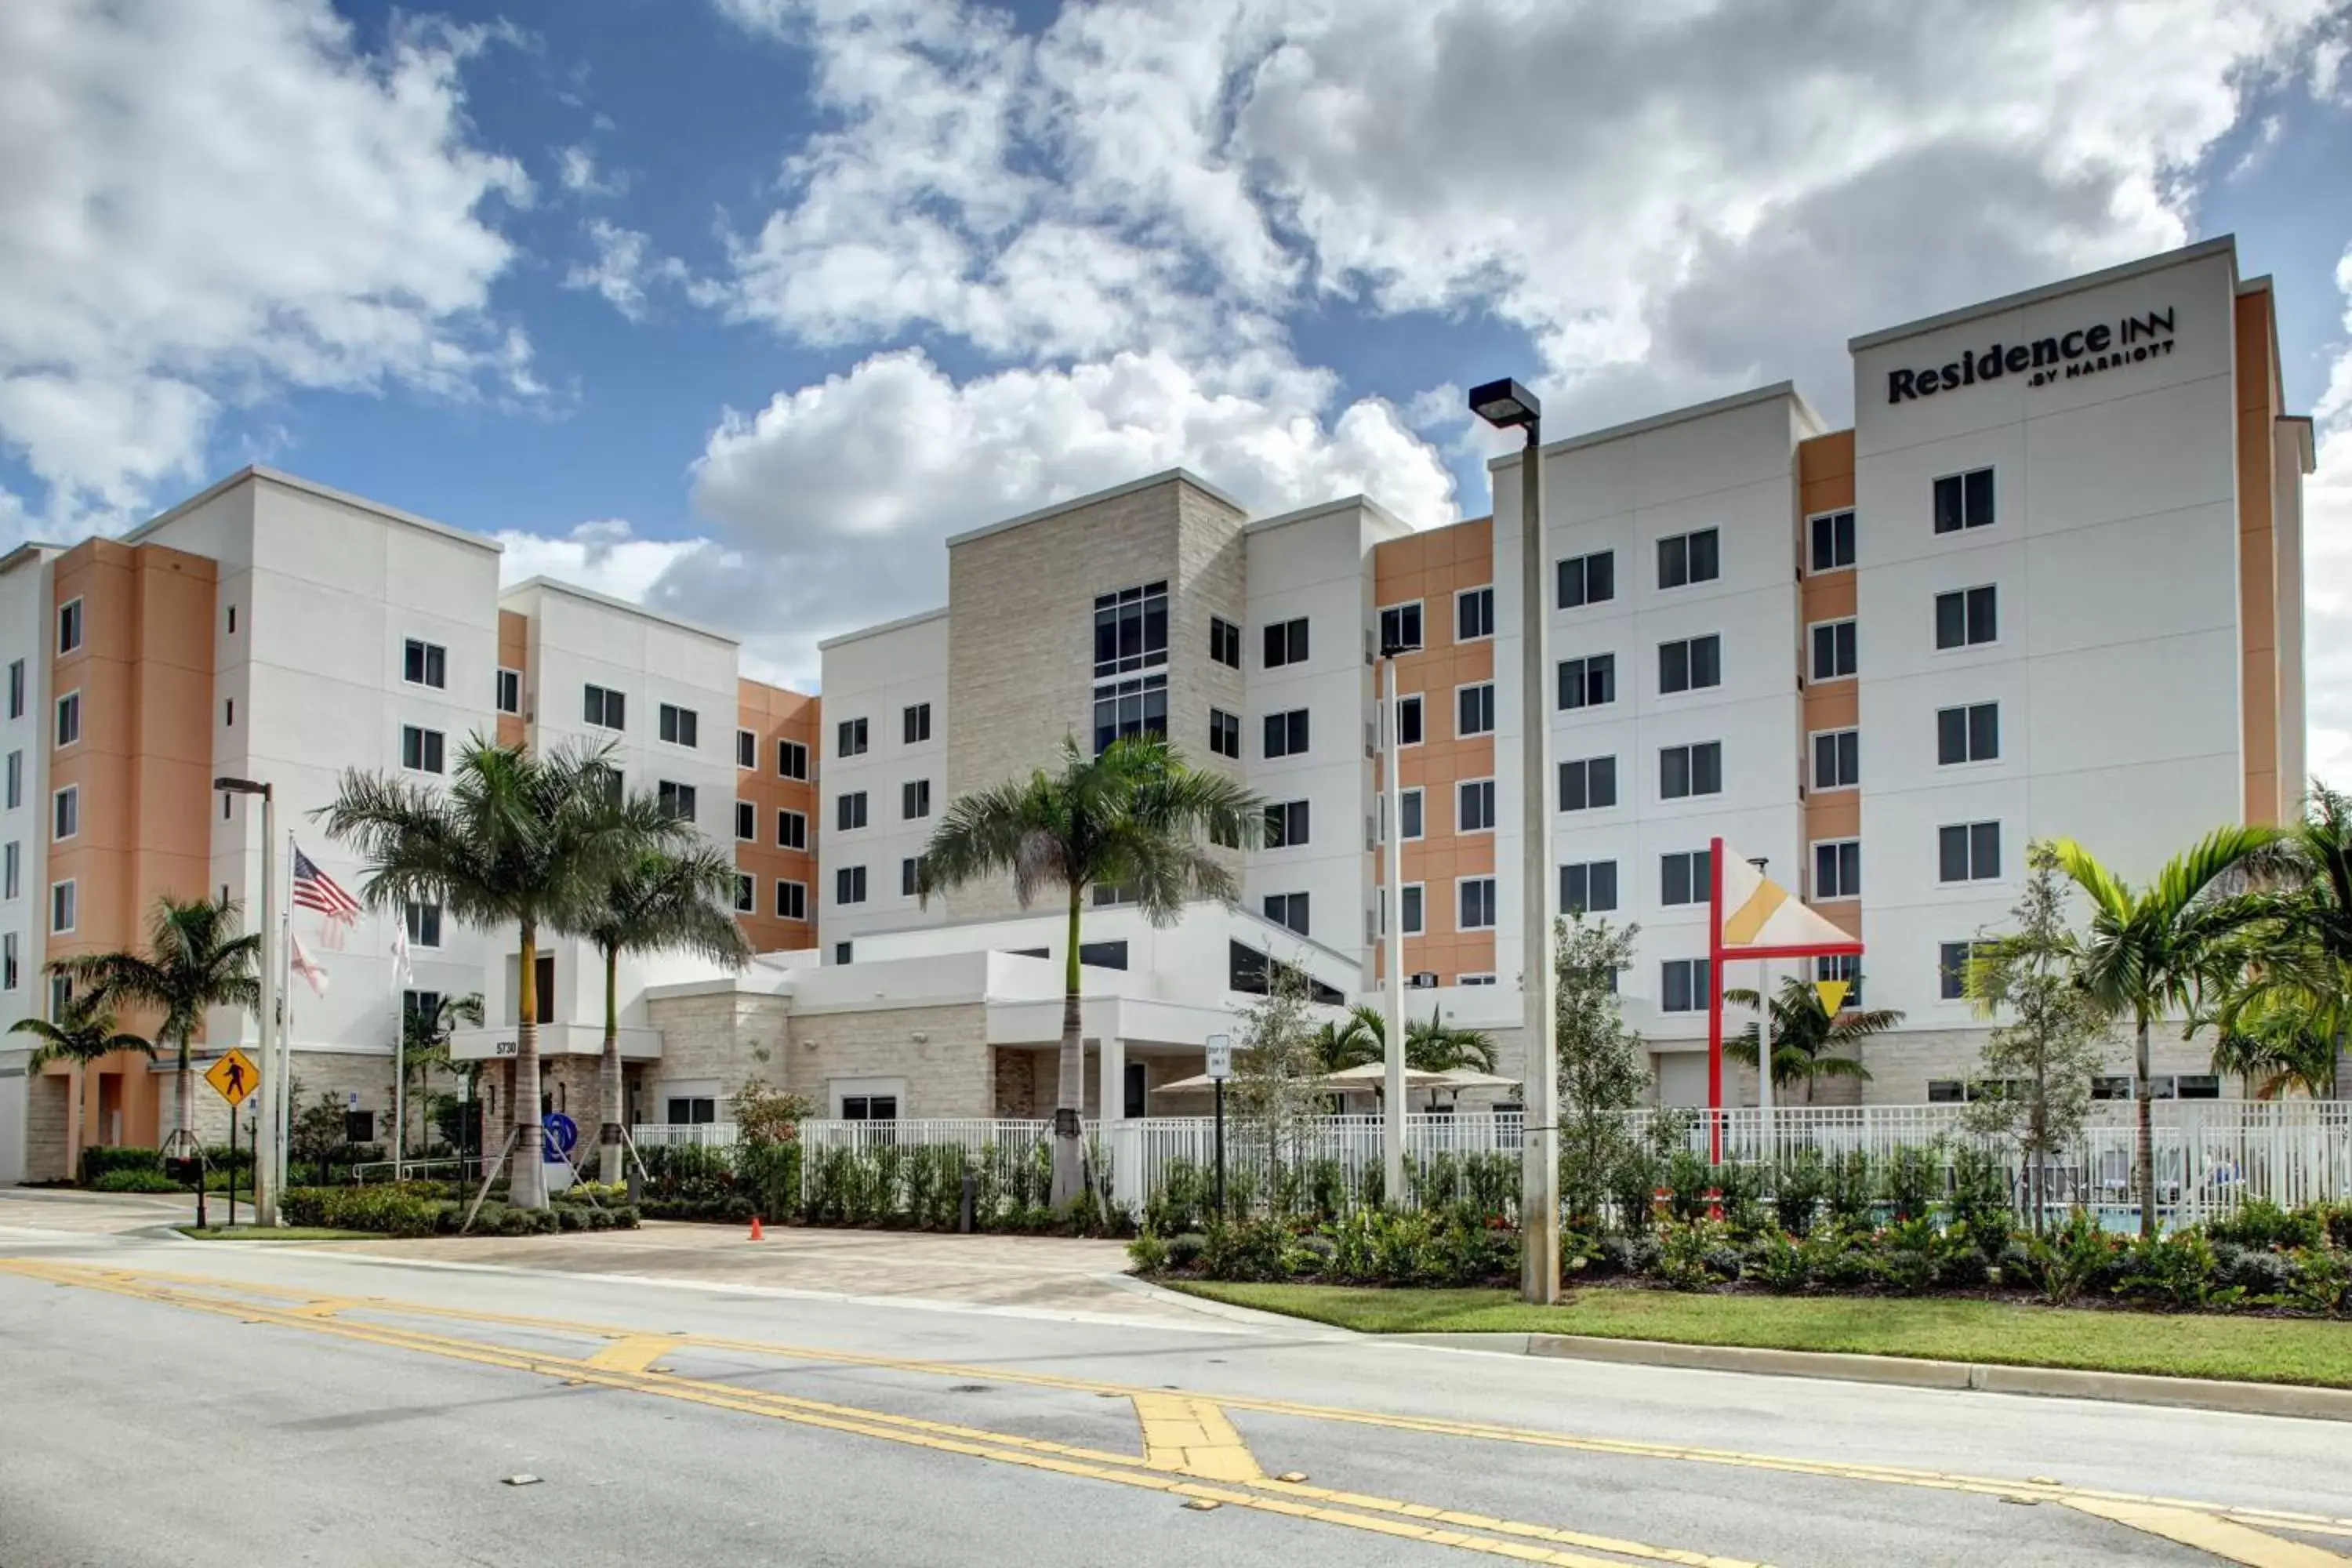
765,1115
2051,1043
1807,1042
1274,1090
424,1050
317,1130
1601,1070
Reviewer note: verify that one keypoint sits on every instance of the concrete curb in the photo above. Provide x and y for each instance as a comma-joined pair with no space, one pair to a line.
2123,1387
1290,1326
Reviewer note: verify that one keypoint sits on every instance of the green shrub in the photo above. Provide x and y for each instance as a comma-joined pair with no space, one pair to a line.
2322,1282
1777,1264
1689,1254
2070,1258
2336,1219
1148,1253
1840,1257
1185,1249
1853,1186
2261,1274
1907,1255
2262,1226
1742,1190
100,1160
1914,1179
2176,1271
1981,1201
135,1182
1690,1186
1634,1181
1249,1249
1797,1192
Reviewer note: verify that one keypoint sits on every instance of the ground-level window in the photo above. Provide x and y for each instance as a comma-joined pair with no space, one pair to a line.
691,1111
869,1107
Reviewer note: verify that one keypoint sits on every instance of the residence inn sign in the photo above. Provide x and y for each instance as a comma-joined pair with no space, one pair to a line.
2085,351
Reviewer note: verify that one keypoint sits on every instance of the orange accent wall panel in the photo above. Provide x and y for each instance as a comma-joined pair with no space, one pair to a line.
773,714
514,653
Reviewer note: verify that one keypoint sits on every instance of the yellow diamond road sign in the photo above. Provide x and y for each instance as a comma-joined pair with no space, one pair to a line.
233,1077
1833,993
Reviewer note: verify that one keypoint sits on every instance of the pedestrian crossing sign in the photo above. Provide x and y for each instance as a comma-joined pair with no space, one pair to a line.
233,1077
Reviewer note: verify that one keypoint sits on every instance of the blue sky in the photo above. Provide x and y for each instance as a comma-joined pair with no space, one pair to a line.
740,306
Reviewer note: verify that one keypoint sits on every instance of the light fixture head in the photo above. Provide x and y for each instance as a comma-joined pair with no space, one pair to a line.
1505,403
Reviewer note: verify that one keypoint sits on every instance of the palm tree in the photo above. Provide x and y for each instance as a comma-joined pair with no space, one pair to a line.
1354,1041
425,1046
666,897
2153,951
196,961
1431,1045
1134,816
1806,1040
2292,1003
515,838
83,1034
2277,1049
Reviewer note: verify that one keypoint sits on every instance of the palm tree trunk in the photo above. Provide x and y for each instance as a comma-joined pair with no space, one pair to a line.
2146,1150
1070,1090
526,1178
608,1078
80,1112
183,1114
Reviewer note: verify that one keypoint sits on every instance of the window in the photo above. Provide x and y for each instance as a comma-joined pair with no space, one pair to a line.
1130,630
1474,805
1409,809
1966,616
1285,825
689,1110
1136,706
1285,643
1408,720
1224,733
68,718
1286,733
746,821
849,811
65,812
1687,558
791,759
1684,877
1834,652
1681,985
68,625
232,620
425,663
1415,903
424,923
1833,540
1690,663
1473,614
1952,969
907,878
1969,734
1588,580
1224,642
1474,709
1103,955
511,691
1289,909
1837,759
1476,980
869,1107
841,952
747,893
1968,852
915,723
677,799
604,709
679,726
849,884
1587,784
1588,682
1845,966
1964,501
914,799
420,748
1588,888
1475,896
16,688
60,996
1687,771
228,712
16,781
792,901
849,738
12,870
61,908
1400,626
9,976
1837,869
791,830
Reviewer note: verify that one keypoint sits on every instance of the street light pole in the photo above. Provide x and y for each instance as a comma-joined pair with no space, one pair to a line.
1506,404
268,1175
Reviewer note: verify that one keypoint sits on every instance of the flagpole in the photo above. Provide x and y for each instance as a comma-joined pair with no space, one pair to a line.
280,1115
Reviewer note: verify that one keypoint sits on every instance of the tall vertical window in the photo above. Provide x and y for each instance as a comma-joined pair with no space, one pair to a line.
1224,732
1130,630
511,691
1690,663
1413,921
16,688
1224,642
791,830
424,921
425,664
1474,897
1968,852
1587,784
747,820
601,708
65,812
1409,811
849,884
914,799
1473,614
680,726
677,799
1685,877
908,877
1681,985
1587,580
1589,887
1474,709
1837,869
915,723
1136,705
747,893
68,718
1285,643
1969,734
420,748
9,971
63,909
1835,652
1474,805
12,870
1833,540
1588,682
1408,719
1845,966
1687,558
849,811
1687,771
14,791
1286,733
1964,501
1967,617
792,900
1400,626
747,749
1837,759
68,625
791,759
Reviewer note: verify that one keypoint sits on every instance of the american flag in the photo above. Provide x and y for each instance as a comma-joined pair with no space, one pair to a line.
314,889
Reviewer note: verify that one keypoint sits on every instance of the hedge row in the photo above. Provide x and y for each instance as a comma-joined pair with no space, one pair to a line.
424,1209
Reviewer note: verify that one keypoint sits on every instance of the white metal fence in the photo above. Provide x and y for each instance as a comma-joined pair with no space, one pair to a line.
2209,1156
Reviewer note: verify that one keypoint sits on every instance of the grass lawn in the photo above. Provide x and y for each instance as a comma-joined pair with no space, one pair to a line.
2252,1349
282,1233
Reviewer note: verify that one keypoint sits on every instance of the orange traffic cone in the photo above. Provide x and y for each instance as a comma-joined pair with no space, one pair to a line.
757,1234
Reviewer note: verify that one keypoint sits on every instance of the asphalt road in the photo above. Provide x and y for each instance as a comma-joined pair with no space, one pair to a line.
189,1404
